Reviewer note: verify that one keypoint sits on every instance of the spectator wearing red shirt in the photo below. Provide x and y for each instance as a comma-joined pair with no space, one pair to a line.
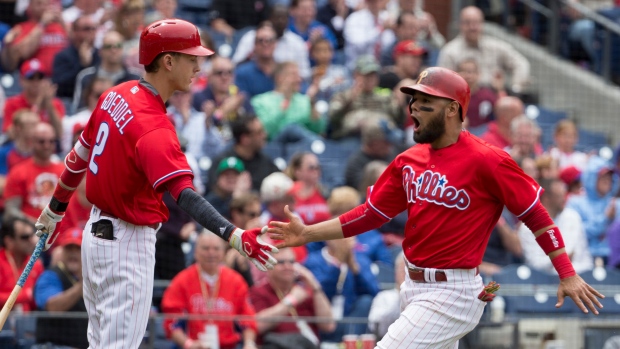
30,184
483,98
305,170
78,211
291,291
41,37
38,95
209,288
506,109
17,245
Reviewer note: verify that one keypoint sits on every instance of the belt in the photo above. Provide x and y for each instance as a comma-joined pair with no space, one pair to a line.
109,215
417,275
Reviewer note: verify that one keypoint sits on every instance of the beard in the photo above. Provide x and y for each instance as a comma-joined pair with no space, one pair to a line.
431,132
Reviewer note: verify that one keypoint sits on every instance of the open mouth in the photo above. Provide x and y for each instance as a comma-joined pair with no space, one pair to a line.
416,123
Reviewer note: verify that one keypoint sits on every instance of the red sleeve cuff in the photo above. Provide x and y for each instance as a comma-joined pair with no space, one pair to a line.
176,185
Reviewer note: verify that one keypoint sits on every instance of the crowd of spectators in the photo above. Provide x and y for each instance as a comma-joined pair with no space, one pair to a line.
311,72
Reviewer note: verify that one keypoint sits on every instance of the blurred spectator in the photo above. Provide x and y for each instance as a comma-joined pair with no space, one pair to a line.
349,110
597,207
503,247
613,236
201,78
78,211
327,78
129,21
525,135
385,308
288,45
38,94
19,144
162,9
249,139
245,211
59,289
366,32
255,76
18,242
571,176
286,114
406,29
499,133
334,14
31,183
84,8
568,221
111,67
221,100
232,180
41,37
566,137
179,228
547,167
209,288
497,58
348,283
581,31
376,145
90,94
303,22
232,18
483,98
529,166
291,291
198,12
310,204
408,63
78,55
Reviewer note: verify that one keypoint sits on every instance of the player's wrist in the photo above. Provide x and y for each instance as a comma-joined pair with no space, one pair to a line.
563,266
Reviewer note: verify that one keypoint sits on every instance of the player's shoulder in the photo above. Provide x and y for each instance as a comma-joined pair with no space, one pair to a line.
478,146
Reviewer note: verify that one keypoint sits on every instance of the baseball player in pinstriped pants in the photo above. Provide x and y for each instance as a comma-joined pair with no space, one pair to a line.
454,187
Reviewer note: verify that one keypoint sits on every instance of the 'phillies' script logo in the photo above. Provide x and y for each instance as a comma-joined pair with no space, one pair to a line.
433,187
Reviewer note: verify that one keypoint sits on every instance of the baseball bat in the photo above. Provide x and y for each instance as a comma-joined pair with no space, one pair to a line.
6,309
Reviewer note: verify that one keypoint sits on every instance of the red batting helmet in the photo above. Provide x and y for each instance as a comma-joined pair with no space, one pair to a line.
170,35
444,83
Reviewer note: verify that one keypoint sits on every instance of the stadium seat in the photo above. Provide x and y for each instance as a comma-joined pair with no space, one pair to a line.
25,328
605,277
161,342
274,150
530,305
10,84
543,115
591,140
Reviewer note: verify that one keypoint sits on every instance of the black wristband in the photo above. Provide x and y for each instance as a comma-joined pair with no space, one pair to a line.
58,206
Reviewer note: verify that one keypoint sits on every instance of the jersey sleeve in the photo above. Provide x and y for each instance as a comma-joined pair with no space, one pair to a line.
511,186
387,197
86,136
159,155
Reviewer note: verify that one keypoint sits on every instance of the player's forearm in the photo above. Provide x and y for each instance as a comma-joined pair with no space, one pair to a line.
202,212
328,230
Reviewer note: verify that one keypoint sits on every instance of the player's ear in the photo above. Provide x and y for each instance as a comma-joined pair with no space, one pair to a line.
453,110
167,61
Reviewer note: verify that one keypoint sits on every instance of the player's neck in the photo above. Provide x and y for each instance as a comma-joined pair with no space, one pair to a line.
161,85
449,137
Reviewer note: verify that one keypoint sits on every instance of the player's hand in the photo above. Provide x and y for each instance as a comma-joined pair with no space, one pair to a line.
584,295
46,224
250,244
290,233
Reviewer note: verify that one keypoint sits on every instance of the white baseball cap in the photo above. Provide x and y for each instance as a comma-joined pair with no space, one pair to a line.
275,187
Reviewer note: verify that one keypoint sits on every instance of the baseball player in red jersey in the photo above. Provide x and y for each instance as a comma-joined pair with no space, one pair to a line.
130,155
453,186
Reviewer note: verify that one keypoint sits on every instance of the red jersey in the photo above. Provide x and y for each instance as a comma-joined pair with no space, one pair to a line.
312,209
18,102
53,40
9,273
134,150
229,296
34,184
454,197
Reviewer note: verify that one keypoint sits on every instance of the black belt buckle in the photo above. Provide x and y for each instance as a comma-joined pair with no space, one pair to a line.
103,229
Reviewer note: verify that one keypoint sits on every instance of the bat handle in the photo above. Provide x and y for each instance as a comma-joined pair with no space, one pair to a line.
4,314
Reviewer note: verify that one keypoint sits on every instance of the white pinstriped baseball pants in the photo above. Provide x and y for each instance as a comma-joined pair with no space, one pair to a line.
436,315
118,283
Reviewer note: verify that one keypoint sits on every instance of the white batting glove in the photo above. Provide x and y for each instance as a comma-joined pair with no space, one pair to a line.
46,224
250,245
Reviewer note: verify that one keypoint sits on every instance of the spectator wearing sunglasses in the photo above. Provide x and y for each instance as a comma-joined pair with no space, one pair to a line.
18,242
232,180
111,67
80,54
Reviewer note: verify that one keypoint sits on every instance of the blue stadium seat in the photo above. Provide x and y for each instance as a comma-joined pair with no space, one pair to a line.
274,150
161,342
605,277
543,115
25,328
385,275
10,83
591,140
530,305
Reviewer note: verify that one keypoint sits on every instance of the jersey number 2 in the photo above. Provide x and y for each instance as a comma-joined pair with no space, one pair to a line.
102,138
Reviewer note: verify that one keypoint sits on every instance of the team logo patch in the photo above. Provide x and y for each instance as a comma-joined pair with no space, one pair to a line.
134,90
433,187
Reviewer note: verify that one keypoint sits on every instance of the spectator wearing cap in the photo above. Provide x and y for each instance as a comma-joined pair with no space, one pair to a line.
79,54
303,23
286,114
18,243
348,110
377,144
249,139
59,289
483,98
571,176
232,180
408,63
597,207
40,37
38,95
